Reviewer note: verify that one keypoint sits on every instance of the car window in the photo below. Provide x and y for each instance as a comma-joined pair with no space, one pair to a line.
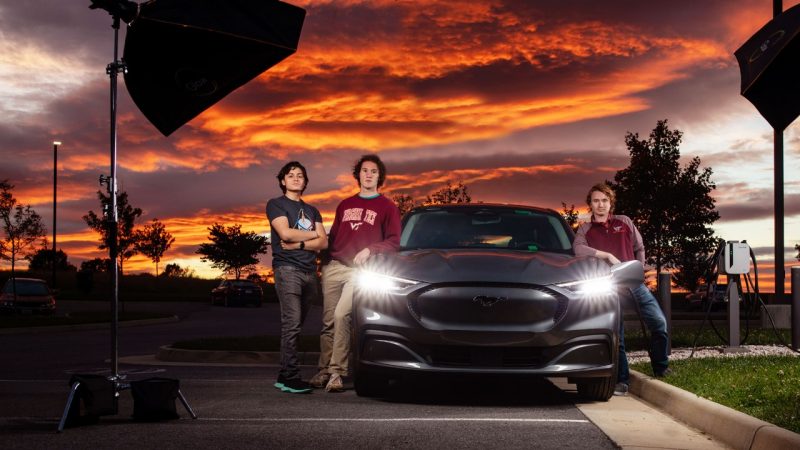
243,283
510,228
25,287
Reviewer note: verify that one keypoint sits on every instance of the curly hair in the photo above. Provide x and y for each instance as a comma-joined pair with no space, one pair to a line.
371,158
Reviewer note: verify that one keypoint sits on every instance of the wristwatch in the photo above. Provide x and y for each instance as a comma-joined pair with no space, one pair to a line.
302,245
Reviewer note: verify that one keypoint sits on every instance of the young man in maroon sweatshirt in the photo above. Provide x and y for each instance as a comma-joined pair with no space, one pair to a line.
365,224
616,239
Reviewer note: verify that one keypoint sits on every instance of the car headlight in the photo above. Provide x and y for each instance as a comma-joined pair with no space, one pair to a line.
593,286
376,282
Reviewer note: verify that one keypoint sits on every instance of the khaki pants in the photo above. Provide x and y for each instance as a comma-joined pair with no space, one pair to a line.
337,299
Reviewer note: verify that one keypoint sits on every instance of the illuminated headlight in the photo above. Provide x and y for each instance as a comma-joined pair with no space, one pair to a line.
376,282
594,287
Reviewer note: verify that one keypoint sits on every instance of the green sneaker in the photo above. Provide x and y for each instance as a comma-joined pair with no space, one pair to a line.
294,386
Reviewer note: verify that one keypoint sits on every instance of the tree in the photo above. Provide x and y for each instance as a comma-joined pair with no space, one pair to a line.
173,270
404,202
153,241
693,269
255,278
22,227
570,215
231,250
96,265
449,194
126,220
43,260
670,205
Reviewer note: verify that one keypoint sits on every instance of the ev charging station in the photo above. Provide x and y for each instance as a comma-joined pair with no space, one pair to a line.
734,261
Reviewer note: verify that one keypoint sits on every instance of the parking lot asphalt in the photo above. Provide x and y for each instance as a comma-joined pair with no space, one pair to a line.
655,415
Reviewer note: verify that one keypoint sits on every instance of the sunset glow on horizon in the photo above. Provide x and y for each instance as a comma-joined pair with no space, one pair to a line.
525,102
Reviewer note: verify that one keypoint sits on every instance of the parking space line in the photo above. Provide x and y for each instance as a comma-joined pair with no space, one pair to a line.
388,419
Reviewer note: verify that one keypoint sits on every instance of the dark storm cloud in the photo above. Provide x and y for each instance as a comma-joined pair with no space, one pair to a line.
744,203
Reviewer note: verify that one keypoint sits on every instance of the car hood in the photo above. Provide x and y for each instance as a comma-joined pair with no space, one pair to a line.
490,265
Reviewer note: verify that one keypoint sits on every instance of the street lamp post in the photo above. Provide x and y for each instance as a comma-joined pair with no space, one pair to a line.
55,184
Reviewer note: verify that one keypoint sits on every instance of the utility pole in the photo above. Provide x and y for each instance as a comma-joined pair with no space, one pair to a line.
55,184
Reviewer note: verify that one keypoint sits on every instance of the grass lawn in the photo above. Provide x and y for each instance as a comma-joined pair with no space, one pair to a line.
75,318
766,387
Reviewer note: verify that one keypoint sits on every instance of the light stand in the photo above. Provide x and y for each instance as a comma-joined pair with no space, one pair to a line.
112,219
184,56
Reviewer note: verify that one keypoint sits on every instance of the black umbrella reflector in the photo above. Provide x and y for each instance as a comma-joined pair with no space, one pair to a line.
185,55
770,66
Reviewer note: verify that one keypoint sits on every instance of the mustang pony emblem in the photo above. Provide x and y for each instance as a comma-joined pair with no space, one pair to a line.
486,300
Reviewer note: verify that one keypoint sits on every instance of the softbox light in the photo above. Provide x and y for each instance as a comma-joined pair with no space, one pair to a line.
769,67
182,56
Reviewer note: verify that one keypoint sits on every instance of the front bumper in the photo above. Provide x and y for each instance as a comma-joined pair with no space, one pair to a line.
575,337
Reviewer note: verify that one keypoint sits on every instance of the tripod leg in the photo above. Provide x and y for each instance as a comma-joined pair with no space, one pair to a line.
186,405
70,399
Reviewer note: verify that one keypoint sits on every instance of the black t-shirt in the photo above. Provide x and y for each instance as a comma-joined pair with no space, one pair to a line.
301,216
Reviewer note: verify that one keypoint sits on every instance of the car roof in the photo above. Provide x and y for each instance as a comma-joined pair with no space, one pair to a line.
34,280
486,206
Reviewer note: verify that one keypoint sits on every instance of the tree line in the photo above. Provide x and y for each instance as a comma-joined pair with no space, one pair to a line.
23,229
670,204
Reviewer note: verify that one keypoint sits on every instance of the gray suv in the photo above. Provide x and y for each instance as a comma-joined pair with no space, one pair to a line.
488,289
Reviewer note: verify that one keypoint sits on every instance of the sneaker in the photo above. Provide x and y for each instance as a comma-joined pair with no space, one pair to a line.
320,380
666,372
335,383
621,389
294,386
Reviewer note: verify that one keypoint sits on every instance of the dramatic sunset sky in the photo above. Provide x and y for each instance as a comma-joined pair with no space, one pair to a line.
524,101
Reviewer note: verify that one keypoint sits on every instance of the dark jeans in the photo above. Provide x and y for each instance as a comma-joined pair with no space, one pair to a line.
295,290
656,324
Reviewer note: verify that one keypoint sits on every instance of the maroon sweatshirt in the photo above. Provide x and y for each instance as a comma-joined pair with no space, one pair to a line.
364,222
617,235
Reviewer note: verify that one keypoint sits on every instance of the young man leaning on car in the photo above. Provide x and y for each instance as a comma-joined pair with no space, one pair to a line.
616,239
297,235
365,224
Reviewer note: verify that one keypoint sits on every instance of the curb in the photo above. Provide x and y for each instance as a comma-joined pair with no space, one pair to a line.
170,354
733,428
88,326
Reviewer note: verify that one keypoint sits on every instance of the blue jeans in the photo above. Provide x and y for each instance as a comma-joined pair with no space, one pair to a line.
295,289
656,324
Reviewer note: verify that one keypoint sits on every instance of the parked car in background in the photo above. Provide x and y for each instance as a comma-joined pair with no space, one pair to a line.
700,298
237,293
488,289
27,295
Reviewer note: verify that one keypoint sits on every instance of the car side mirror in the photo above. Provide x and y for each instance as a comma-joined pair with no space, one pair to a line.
628,274
54,292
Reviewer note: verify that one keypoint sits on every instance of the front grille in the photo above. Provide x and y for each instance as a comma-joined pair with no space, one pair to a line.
458,305
461,356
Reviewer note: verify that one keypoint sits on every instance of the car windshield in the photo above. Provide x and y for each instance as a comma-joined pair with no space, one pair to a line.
26,287
504,228
242,284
